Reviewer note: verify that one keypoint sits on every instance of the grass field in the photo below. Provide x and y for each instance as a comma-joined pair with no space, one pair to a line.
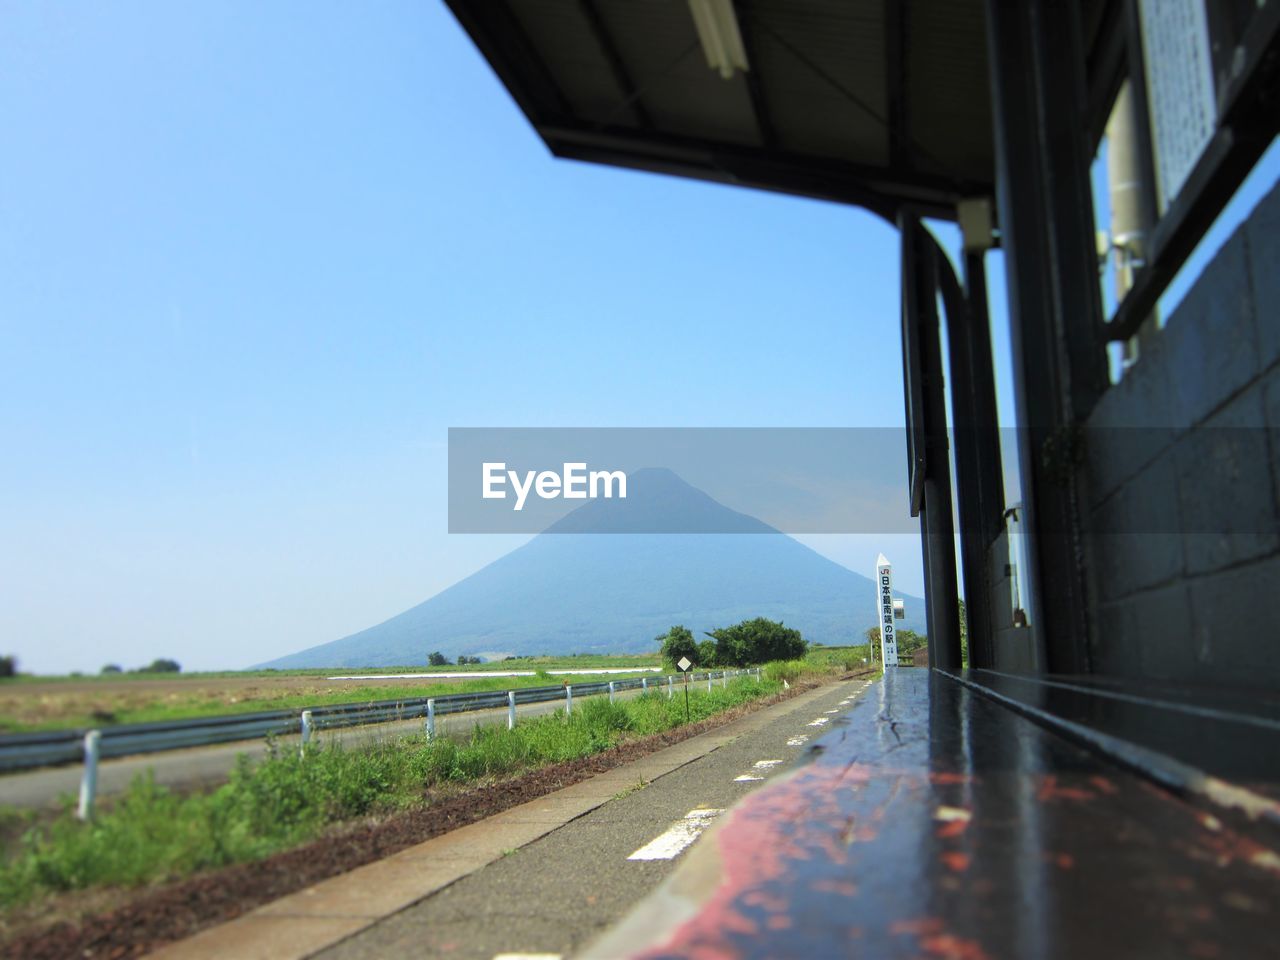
152,834
566,662
54,703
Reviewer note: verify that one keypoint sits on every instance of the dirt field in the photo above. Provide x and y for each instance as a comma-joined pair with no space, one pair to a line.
85,701
62,701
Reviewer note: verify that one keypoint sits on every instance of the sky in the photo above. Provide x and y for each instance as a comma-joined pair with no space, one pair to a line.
255,260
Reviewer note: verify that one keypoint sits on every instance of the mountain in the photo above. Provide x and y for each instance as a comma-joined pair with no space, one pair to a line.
570,590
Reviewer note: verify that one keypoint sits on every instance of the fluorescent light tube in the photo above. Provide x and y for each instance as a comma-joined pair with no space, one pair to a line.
719,35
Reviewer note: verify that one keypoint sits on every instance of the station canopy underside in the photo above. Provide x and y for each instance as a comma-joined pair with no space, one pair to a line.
873,102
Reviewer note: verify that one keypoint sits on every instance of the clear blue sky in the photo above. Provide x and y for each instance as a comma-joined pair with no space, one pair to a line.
255,259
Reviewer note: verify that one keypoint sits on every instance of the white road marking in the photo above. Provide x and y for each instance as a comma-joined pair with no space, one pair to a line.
743,779
830,711
819,722
797,741
681,833
765,764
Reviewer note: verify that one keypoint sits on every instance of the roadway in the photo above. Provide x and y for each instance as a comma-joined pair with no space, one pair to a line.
556,894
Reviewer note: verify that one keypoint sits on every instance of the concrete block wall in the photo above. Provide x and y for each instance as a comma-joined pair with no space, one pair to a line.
1182,461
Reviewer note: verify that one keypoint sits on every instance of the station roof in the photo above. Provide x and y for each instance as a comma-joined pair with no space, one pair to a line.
873,102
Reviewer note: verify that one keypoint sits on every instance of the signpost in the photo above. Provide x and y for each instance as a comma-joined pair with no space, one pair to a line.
684,665
884,612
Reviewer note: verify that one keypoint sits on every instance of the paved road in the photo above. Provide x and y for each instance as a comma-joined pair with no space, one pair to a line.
205,765
557,894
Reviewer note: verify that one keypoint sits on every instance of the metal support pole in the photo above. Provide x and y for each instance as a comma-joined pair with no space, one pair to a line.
926,408
511,709
979,482
568,699
89,780
306,732
671,688
611,691
431,718
708,681
644,684
1057,330
1132,202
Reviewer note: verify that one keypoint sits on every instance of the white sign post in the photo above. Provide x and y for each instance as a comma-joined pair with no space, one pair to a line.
684,665
884,612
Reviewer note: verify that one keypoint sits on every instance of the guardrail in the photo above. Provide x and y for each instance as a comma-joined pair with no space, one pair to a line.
21,751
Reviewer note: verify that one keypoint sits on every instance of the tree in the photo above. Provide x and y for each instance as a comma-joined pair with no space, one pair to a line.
873,641
8,666
162,665
676,643
707,654
463,660
909,641
110,668
437,659
756,641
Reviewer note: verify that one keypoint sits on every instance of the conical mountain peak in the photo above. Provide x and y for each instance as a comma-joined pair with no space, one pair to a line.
658,501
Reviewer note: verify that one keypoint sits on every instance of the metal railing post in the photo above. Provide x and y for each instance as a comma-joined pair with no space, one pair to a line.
671,687
89,781
568,699
306,732
431,718
708,681
611,691
644,684
511,709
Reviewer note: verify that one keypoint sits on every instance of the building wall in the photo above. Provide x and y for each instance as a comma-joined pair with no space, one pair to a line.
1182,461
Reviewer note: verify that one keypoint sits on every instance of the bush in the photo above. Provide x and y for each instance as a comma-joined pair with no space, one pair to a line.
8,666
756,641
161,665
437,659
110,668
707,654
676,643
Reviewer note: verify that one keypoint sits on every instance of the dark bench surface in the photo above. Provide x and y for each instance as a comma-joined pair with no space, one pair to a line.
1233,733
935,822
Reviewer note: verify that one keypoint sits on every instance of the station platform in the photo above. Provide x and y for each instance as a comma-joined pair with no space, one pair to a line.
986,816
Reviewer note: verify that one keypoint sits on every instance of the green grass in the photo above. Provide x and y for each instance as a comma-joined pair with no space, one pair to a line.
566,662
817,663
185,709
840,658
151,834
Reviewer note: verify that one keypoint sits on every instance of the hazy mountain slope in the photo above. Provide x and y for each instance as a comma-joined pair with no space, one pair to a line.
614,592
